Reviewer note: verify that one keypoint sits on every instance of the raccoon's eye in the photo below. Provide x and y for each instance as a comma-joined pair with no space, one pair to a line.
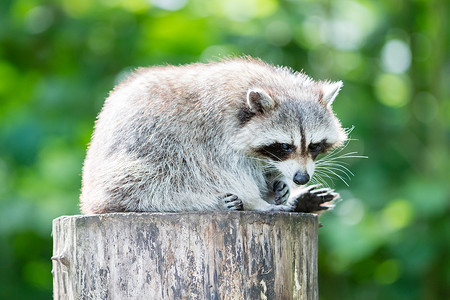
286,147
276,151
316,148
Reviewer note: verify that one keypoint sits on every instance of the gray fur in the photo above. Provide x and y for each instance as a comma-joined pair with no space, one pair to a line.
181,138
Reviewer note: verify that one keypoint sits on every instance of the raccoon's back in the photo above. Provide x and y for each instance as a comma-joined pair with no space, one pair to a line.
157,134
169,128
158,118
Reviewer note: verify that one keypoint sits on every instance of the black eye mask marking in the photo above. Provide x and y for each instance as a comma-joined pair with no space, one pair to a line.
277,151
317,148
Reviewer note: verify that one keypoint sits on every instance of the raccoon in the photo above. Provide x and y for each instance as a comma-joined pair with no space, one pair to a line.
235,134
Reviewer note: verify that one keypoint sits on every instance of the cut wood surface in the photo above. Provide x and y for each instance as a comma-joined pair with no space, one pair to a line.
189,255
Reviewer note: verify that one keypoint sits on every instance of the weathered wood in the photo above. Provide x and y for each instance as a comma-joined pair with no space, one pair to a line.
193,255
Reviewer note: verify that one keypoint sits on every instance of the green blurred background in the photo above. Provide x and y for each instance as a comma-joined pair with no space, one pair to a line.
390,236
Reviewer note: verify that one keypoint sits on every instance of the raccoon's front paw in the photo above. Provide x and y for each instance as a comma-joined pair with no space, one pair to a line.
232,202
282,192
314,200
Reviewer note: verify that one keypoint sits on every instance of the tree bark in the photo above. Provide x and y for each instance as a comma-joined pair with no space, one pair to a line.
189,255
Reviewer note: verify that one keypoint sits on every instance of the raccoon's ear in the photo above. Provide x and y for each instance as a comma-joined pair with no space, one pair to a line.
259,101
330,91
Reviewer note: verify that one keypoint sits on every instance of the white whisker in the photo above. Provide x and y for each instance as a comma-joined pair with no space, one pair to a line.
332,164
336,166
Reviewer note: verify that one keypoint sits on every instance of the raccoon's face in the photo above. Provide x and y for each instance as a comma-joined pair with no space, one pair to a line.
288,134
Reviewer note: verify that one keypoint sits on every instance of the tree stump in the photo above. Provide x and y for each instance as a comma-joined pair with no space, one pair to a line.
189,255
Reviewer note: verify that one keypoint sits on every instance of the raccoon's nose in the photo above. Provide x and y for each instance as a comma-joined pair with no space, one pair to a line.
301,178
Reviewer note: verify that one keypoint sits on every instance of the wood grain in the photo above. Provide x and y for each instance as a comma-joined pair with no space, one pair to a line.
190,255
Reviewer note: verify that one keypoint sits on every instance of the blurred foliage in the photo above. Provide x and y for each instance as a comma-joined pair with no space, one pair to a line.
390,236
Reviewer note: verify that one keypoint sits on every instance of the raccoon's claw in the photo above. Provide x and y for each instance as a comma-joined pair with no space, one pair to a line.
232,202
282,192
315,200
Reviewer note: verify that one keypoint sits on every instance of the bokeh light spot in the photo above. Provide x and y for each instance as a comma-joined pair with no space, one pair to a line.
77,8
422,47
387,272
278,33
345,35
425,107
312,32
101,39
396,56
348,61
397,214
243,11
393,90
351,211
38,19
171,5
135,5
352,22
